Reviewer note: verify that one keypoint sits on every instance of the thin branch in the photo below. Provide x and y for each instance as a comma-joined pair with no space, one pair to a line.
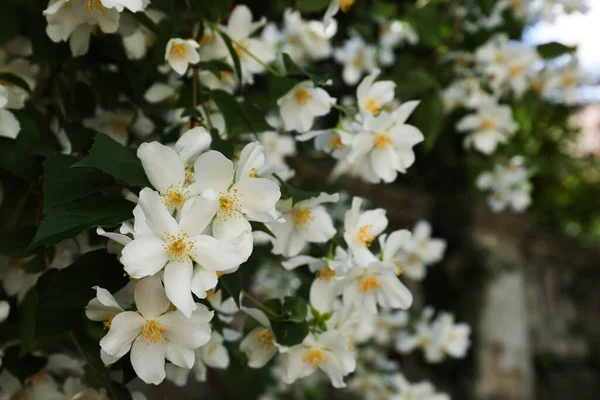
261,305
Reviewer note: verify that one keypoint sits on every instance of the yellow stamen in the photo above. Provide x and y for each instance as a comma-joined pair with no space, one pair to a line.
178,50
499,58
345,5
382,141
315,357
365,236
174,197
516,70
229,204
224,75
425,342
153,332
302,216
486,125
68,5
413,259
569,80
94,6
264,338
369,284
302,97
107,321
253,172
536,85
178,246
119,126
335,141
399,266
207,39
373,106
325,273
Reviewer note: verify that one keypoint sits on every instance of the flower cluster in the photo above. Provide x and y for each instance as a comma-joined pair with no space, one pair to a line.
508,185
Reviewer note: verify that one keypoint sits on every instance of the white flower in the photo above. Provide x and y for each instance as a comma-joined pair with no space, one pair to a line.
118,123
176,244
154,333
15,280
447,339
336,141
242,195
239,28
276,148
361,229
372,284
430,250
305,222
76,20
391,35
490,125
103,307
212,45
562,84
299,106
259,343
213,354
508,184
181,53
131,5
357,58
408,341
373,96
387,142
9,125
4,310
550,9
329,351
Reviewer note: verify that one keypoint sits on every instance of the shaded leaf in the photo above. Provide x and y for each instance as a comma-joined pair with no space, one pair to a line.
289,333
554,49
232,284
261,227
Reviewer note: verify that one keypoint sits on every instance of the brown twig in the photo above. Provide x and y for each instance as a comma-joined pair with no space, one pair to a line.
193,120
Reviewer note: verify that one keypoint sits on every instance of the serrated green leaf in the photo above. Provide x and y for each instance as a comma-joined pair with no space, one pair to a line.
113,159
63,184
69,220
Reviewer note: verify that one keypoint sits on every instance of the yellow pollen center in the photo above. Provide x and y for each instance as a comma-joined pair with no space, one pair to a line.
253,172
18,396
68,5
153,332
174,197
365,236
302,97
335,142
345,5
486,125
413,259
240,50
325,273
178,50
224,75
399,266
382,141
120,126
516,70
15,262
499,58
94,6
369,284
38,377
425,342
569,80
358,61
190,176
107,321
315,357
536,85
207,39
302,216
264,338
178,246
229,204
516,4
373,106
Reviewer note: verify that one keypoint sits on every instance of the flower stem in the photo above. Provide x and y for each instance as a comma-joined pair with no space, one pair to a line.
260,305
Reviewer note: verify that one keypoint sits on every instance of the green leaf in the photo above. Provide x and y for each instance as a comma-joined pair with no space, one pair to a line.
297,195
215,66
192,112
222,146
17,161
295,72
237,66
144,20
63,184
213,10
311,6
113,159
232,283
240,117
294,309
552,50
15,80
261,227
56,302
289,333
415,83
15,242
69,220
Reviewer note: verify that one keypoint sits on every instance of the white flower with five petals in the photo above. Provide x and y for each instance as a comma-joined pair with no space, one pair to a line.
302,104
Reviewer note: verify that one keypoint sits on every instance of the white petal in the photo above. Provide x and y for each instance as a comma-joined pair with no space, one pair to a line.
9,125
144,256
203,280
193,143
148,361
178,279
124,328
157,215
180,356
150,297
190,333
217,255
258,195
213,171
162,165
251,157
4,310
198,212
